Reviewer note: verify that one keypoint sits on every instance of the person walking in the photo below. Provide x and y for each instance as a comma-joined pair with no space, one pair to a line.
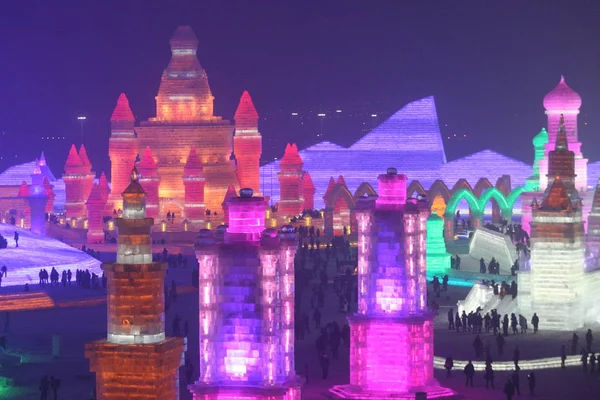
535,321
509,390
448,365
574,341
469,373
588,340
515,378
325,365
54,385
44,387
563,356
489,375
516,358
531,382
450,320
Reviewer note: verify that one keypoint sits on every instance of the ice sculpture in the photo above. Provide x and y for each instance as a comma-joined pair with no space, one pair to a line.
438,259
246,308
562,107
136,360
391,344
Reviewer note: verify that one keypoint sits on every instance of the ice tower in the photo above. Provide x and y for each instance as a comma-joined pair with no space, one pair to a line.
391,344
563,103
291,185
136,360
246,308
438,259
121,148
247,144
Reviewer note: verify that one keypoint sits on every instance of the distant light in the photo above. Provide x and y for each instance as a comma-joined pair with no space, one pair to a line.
320,115
294,114
373,115
338,111
81,117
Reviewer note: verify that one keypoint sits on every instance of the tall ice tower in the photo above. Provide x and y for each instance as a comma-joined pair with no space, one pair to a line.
247,308
562,102
391,335
136,360
122,148
247,144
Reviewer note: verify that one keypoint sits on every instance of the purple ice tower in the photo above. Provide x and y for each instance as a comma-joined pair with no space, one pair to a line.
391,334
246,304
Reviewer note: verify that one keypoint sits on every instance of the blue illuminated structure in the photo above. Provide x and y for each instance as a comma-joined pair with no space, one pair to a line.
410,139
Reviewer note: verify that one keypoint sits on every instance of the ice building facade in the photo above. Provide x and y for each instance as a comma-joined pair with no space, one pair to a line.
246,308
391,342
136,360
558,286
26,204
185,119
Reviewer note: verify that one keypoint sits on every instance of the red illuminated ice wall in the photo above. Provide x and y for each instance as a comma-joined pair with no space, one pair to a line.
247,144
291,187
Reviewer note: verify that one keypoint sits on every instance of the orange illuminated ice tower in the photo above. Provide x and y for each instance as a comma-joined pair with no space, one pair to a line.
247,144
136,360
77,178
291,184
185,119
122,148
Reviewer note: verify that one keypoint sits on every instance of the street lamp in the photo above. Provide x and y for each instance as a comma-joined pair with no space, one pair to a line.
82,120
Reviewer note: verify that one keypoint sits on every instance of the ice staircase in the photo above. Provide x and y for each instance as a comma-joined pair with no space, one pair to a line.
483,297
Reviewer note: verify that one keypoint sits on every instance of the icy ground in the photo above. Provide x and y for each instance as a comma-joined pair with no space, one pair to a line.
36,252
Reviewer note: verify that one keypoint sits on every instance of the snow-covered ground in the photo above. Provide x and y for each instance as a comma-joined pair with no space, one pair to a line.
37,252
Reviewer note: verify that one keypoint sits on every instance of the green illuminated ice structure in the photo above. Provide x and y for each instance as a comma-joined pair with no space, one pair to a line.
438,259
532,184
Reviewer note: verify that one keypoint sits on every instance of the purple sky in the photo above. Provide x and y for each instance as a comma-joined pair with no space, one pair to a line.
488,65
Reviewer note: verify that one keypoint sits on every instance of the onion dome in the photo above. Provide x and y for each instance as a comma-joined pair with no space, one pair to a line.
562,97
541,139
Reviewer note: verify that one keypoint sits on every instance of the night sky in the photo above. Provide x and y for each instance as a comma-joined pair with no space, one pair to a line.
488,64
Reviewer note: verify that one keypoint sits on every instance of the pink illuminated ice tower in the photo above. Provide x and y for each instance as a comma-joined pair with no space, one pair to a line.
562,102
246,295
391,345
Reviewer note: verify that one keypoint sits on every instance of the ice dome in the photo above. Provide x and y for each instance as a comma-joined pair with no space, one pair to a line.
562,97
541,139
